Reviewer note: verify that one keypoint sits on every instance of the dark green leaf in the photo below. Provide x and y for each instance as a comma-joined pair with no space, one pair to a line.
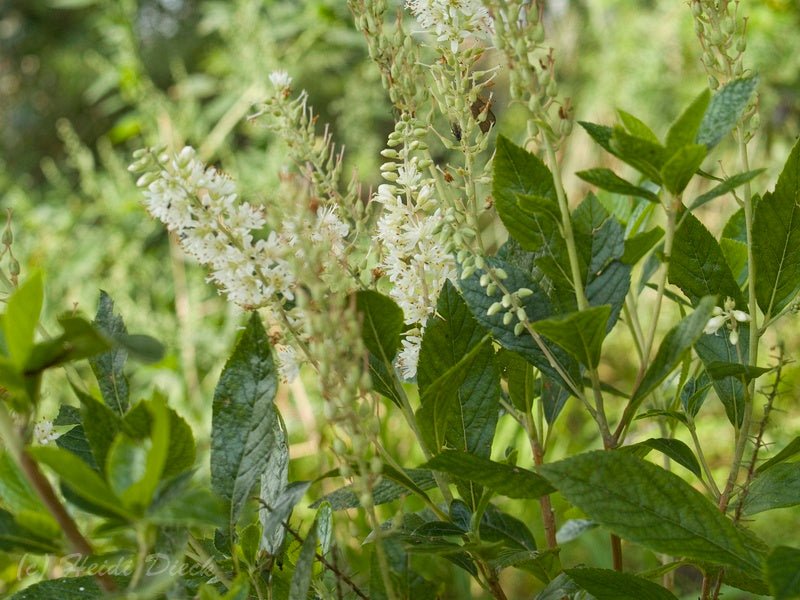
610,287
21,318
15,537
451,333
74,440
274,480
730,184
674,347
304,567
141,347
675,449
277,514
80,340
606,179
382,324
720,370
385,491
783,572
777,487
640,244
558,588
776,240
108,367
645,156
681,167
383,380
791,449
698,267
598,235
730,390
100,424
581,333
694,393
604,584
647,505
514,482
243,417
498,526
736,256
522,381
66,588
684,130
725,110
600,134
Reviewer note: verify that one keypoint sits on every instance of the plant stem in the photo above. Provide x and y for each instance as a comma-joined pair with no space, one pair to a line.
44,490
548,516
669,237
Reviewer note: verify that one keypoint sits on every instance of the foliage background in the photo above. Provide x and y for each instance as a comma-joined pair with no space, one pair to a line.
85,82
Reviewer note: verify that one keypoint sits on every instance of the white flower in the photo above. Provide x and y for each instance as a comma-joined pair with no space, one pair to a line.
280,79
408,357
43,433
451,21
288,363
728,316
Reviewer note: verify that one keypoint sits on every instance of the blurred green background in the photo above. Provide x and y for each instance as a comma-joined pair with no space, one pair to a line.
83,83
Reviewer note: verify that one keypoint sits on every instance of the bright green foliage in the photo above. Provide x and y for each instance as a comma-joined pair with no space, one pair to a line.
647,505
791,449
385,491
605,584
21,318
783,573
637,246
777,487
681,167
683,131
581,333
776,240
17,496
17,537
507,480
244,417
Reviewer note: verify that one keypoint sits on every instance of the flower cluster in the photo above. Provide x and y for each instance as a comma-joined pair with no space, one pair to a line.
415,257
44,434
728,316
451,21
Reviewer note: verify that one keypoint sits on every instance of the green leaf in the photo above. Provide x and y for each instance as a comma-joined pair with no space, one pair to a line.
193,507
605,584
451,333
675,449
143,348
598,235
243,417
274,480
736,256
694,393
100,425
572,529
80,340
23,308
607,180
15,537
513,482
645,156
684,130
746,373
640,244
440,398
108,367
776,240
277,514
581,333
674,347
725,110
610,287
66,588
681,167
304,567
791,449
84,481
385,491
777,487
382,325
783,572
518,172
637,127
601,134
697,264
17,495
716,348
647,505
74,440
730,184
497,526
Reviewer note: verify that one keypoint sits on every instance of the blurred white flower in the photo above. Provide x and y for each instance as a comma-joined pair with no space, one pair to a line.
280,79
451,21
288,363
43,433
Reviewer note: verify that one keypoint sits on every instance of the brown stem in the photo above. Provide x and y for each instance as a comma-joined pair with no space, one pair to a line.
75,538
616,552
548,516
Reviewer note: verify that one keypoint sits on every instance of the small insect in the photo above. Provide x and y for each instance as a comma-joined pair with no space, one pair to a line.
448,177
482,112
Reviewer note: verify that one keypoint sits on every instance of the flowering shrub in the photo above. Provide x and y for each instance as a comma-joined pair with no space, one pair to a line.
397,303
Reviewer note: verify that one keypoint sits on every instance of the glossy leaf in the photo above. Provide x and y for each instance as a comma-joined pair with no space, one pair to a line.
674,449
645,504
776,240
506,480
725,110
607,180
243,417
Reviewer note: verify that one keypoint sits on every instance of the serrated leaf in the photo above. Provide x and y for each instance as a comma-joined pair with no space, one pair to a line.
777,487
23,308
108,367
640,244
382,324
679,169
85,482
672,350
645,156
647,505
730,184
697,264
274,480
449,335
605,584
776,240
601,134
783,572
581,333
725,110
513,482
607,180
791,449
675,449
684,130
243,417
